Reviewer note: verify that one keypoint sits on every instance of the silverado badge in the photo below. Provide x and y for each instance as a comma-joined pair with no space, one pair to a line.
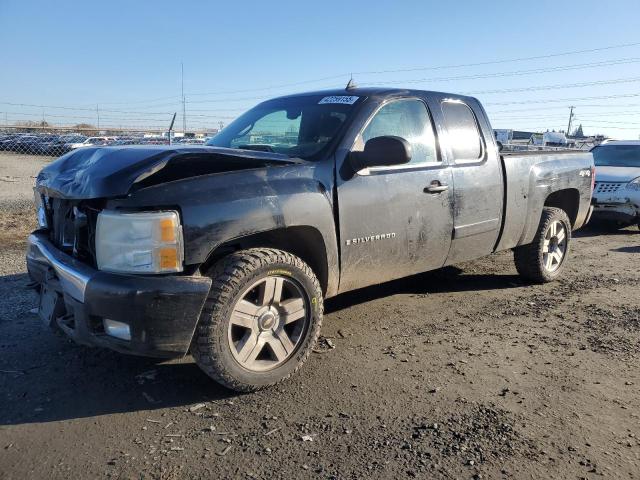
371,238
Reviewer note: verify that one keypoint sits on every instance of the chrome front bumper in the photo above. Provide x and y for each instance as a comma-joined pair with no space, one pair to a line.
161,311
72,274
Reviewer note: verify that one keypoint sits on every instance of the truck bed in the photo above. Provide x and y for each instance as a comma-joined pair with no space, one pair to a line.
529,179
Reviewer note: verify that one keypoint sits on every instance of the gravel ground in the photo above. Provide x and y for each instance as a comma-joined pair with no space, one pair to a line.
17,176
460,373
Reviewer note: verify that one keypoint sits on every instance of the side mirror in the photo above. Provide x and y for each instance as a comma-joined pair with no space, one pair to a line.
383,151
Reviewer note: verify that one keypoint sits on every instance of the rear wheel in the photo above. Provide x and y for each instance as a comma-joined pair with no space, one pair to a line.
543,259
260,321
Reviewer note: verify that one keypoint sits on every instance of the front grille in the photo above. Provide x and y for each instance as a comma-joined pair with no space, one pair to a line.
72,227
608,187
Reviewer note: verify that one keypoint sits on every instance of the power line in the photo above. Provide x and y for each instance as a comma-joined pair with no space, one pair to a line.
181,99
611,127
423,68
477,92
559,68
80,108
283,85
132,102
564,100
510,60
611,121
625,105
563,114
556,86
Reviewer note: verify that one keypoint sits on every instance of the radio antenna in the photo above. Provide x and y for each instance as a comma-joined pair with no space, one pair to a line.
351,85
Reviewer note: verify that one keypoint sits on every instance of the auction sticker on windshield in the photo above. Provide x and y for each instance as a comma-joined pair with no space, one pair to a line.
344,99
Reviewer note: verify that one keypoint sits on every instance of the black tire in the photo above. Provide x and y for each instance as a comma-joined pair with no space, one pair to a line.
231,276
529,259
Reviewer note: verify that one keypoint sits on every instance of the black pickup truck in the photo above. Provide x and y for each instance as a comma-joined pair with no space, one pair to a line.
226,251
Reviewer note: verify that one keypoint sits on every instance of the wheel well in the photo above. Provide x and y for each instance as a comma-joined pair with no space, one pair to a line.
304,242
567,200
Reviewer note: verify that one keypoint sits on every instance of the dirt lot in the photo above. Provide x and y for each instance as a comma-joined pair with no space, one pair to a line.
460,373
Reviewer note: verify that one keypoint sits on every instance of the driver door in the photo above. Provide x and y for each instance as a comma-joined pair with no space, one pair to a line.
393,222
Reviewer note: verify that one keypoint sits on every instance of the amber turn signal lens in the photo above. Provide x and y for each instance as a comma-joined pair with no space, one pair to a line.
167,230
168,258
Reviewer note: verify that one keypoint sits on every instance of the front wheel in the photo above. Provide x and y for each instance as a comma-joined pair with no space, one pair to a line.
543,259
260,321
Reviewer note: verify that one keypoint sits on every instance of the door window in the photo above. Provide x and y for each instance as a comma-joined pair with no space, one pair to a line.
410,120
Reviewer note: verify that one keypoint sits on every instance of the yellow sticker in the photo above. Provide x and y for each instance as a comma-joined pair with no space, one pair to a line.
279,272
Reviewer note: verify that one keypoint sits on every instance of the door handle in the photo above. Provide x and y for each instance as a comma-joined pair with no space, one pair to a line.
436,187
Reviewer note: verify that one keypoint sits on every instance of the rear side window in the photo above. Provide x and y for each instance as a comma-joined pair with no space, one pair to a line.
464,136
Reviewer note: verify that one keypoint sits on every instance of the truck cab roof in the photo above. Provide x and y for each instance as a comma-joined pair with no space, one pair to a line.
374,92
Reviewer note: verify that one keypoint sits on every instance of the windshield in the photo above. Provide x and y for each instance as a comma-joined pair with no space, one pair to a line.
617,156
295,126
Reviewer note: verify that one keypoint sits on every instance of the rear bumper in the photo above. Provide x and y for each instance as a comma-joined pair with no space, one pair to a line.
161,311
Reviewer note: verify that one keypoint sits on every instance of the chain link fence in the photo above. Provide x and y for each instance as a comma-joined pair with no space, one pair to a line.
56,141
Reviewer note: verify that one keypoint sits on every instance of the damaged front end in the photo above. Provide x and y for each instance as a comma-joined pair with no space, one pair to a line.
617,202
141,311
144,315
107,172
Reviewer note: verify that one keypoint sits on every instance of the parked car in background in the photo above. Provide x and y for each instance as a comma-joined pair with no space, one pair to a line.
60,145
26,144
152,141
92,142
43,142
125,141
616,195
190,141
7,140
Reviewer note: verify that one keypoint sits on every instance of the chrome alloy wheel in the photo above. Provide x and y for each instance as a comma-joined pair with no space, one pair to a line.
268,323
555,246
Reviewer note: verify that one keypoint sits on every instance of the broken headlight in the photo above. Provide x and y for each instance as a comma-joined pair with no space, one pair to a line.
41,213
634,184
140,242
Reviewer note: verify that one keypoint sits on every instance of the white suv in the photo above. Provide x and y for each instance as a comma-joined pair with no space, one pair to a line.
617,189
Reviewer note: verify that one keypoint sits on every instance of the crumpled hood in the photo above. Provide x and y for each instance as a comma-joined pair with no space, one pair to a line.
104,172
616,174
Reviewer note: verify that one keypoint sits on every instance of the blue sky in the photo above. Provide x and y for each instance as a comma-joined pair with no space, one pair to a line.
125,57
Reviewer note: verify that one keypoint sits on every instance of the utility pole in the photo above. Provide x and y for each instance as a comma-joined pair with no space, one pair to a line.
570,119
184,108
98,115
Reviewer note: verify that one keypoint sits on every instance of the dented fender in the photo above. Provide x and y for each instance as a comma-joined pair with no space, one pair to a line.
220,208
